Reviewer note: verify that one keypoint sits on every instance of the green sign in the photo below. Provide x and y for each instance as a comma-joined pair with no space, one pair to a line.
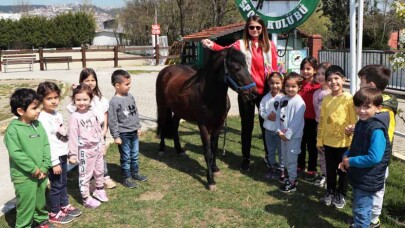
294,12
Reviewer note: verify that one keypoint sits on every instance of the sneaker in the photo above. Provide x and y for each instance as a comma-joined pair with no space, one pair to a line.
310,176
70,210
109,183
139,177
287,187
245,166
320,181
101,195
339,201
129,183
60,218
43,224
375,225
271,174
90,202
328,198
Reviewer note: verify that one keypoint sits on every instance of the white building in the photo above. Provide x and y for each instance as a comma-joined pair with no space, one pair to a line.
12,16
109,35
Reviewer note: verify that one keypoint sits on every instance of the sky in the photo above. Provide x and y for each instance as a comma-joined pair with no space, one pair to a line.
112,3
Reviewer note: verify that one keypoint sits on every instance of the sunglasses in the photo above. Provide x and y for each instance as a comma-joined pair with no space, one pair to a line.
258,28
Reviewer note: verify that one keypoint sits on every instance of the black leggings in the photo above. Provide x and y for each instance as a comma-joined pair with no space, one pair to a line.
308,143
333,157
247,115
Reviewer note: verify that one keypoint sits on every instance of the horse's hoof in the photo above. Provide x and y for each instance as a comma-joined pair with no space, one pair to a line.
217,173
183,153
161,153
212,187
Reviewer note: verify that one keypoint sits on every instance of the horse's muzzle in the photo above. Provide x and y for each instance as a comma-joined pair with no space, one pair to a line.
250,94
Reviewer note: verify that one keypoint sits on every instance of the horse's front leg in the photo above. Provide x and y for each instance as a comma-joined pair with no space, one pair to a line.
214,150
205,138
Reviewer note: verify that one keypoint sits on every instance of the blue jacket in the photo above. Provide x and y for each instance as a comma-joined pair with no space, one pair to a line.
370,179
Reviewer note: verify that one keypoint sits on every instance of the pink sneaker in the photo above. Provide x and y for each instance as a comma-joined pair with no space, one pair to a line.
101,195
91,203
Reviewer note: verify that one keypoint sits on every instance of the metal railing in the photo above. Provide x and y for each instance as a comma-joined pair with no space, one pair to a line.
342,57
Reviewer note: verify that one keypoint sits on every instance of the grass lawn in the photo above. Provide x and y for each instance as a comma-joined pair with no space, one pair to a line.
175,194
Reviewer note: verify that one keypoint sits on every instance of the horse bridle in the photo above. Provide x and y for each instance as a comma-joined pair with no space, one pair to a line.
228,78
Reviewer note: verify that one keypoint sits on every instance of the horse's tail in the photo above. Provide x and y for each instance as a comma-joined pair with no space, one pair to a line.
165,123
164,114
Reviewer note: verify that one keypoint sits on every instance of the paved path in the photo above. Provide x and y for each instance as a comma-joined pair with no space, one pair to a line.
143,88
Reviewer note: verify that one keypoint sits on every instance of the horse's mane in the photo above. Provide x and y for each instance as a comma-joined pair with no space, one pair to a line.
214,59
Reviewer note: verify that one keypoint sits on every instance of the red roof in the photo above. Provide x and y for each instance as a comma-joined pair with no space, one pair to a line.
215,32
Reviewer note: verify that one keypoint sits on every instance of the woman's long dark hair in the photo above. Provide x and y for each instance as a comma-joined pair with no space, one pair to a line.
264,36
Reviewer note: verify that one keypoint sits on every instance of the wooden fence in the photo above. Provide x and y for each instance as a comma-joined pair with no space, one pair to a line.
84,50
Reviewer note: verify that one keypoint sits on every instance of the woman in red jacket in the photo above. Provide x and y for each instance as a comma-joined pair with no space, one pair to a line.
261,59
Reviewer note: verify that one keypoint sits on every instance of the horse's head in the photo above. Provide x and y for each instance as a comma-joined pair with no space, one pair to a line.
237,75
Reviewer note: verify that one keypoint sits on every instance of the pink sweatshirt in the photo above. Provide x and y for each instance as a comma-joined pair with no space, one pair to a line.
84,133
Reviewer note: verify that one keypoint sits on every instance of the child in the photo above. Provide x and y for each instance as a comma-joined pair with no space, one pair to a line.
292,109
99,105
268,110
318,97
367,159
30,159
377,76
125,127
87,146
61,211
308,71
337,112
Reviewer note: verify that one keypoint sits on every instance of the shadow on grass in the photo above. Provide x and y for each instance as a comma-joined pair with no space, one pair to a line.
300,210
192,167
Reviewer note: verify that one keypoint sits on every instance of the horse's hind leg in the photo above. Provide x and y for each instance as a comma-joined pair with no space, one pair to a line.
176,139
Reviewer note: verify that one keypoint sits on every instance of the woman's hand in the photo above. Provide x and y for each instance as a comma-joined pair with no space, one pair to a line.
207,43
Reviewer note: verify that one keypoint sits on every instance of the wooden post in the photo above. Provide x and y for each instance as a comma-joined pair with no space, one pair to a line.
115,56
156,51
1,54
83,56
41,58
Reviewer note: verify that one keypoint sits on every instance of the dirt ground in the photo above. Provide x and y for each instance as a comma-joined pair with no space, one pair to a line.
8,86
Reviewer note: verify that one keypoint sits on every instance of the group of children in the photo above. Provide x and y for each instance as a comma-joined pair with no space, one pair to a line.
307,111
39,146
350,135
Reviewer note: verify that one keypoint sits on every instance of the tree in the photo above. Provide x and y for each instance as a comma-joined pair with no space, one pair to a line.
317,23
338,13
398,59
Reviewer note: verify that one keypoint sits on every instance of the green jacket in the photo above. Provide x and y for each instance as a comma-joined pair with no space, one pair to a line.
28,149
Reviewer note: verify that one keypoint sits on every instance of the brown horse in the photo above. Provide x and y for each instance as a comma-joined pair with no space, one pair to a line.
201,97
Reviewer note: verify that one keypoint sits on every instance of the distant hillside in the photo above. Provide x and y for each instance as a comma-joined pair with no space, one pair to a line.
17,8
73,7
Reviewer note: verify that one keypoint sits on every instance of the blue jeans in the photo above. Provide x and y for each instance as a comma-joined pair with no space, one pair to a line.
362,205
58,196
273,142
129,151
